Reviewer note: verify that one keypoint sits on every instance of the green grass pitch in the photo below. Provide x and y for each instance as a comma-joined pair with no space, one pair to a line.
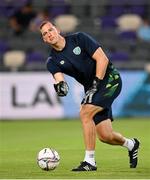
20,141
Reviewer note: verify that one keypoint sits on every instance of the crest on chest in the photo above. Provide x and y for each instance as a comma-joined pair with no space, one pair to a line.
77,50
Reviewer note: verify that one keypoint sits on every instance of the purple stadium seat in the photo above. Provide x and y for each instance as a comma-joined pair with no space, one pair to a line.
116,10
131,2
129,35
140,10
119,56
34,57
7,8
58,7
3,47
58,10
108,22
119,2
138,2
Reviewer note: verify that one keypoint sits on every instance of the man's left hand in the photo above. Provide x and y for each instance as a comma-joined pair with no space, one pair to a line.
92,90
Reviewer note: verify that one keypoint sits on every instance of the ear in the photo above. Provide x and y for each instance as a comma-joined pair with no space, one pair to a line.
43,39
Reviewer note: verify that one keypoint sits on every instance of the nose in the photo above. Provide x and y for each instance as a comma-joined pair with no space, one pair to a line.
49,34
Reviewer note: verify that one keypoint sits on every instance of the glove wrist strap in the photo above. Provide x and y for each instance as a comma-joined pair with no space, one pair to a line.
97,82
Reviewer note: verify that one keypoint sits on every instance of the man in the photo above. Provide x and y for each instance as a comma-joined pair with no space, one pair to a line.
80,56
20,20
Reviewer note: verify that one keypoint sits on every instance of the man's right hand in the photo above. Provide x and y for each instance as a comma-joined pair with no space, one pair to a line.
61,88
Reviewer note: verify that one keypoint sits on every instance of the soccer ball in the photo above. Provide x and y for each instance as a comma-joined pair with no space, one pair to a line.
48,159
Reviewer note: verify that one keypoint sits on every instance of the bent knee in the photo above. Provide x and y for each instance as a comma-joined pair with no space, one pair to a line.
105,137
86,113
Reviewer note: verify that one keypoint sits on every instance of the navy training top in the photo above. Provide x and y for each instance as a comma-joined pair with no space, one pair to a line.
75,59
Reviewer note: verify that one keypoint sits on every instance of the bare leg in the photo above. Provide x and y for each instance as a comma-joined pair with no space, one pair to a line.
89,134
104,129
89,131
107,135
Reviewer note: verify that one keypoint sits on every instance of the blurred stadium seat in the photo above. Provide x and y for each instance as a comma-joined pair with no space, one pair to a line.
66,23
14,59
108,22
35,61
128,35
119,56
3,47
128,22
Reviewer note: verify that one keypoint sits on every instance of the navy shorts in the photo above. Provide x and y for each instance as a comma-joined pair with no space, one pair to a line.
105,96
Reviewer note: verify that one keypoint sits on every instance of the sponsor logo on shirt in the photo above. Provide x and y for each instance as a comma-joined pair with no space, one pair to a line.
77,50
